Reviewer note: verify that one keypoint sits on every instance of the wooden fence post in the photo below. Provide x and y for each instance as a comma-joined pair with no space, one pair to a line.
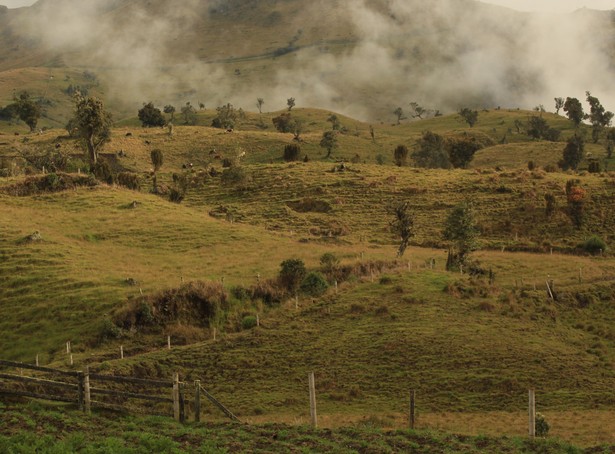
87,398
532,413
182,403
258,320
197,400
68,347
312,385
121,352
36,360
169,342
176,396
80,391
412,408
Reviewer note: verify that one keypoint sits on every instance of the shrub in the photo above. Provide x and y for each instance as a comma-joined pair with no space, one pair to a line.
268,292
329,261
400,155
594,167
542,426
248,322
129,180
314,284
594,245
284,122
179,189
193,303
291,274
240,293
102,171
151,116
108,331
292,152
235,176
531,165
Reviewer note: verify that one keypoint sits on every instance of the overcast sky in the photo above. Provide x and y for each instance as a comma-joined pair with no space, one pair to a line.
522,5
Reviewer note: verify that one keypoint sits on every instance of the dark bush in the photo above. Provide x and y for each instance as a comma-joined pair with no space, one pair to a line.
268,292
52,182
291,274
292,152
314,284
194,303
594,245
594,167
102,171
129,180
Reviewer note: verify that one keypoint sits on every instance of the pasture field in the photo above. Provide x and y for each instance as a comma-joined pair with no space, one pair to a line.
470,347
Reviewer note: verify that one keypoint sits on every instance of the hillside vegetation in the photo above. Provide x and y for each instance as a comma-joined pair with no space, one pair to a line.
95,264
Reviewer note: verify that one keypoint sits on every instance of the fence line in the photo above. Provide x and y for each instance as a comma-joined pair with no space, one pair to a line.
81,391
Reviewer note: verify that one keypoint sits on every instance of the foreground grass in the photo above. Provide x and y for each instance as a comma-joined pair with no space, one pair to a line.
48,430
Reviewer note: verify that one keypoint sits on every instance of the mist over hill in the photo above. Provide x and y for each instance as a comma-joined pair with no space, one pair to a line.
359,57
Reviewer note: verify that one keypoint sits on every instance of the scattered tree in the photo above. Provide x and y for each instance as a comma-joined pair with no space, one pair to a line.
403,225
538,128
225,118
469,116
400,155
329,141
599,117
610,142
399,113
460,230
151,116
292,272
189,114
461,151
335,122
157,161
576,196
290,102
559,103
550,204
372,133
574,111
170,110
284,123
201,106
92,123
259,104
573,153
27,109
297,129
430,152
417,110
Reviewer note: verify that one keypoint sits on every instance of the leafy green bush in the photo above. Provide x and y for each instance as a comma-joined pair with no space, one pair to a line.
542,426
248,322
594,245
314,284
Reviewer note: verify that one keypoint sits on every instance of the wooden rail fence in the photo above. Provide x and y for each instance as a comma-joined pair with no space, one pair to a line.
110,391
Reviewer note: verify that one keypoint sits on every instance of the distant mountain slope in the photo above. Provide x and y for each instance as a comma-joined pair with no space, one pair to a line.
360,57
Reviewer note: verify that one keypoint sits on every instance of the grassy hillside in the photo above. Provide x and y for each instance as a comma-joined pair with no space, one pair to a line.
471,348
66,432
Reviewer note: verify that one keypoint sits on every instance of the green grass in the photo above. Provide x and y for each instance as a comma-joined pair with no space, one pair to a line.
464,346
52,430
